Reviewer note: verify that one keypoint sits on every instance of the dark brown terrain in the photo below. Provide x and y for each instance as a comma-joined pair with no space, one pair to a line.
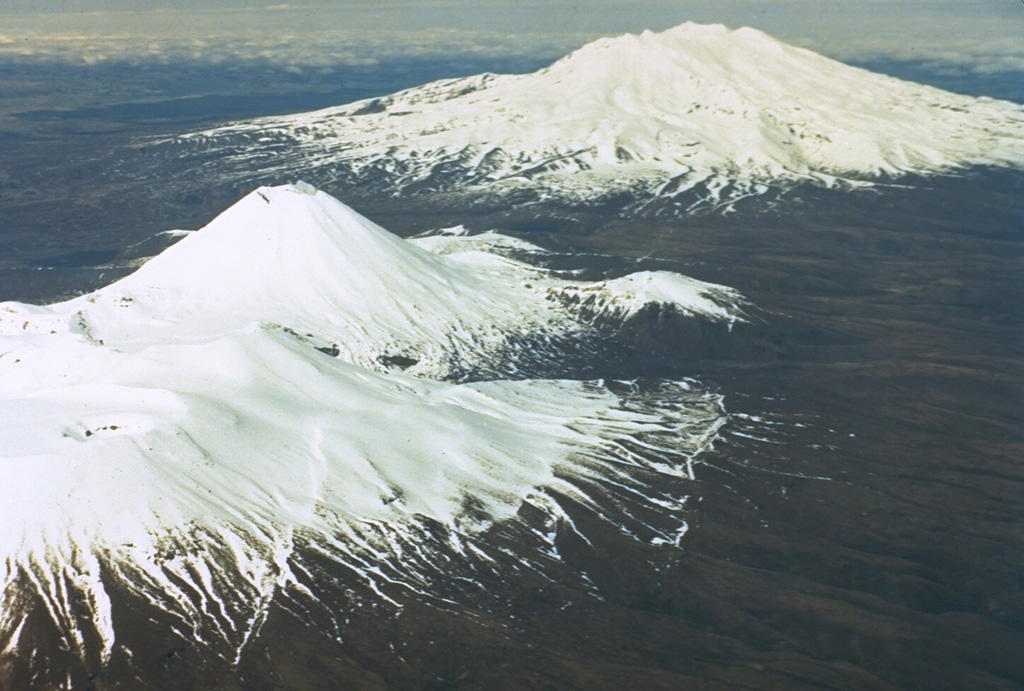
860,525
869,536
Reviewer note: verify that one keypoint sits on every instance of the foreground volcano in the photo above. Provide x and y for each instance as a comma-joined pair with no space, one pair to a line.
238,422
692,117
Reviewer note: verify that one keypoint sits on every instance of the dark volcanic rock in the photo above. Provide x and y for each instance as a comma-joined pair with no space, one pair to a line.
858,526
660,331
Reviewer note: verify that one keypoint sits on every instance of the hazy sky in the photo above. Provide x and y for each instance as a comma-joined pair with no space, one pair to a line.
980,35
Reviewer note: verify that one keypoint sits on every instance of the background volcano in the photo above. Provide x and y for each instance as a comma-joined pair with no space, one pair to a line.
694,117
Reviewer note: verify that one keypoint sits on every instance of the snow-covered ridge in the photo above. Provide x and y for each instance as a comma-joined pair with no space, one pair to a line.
248,390
306,264
693,111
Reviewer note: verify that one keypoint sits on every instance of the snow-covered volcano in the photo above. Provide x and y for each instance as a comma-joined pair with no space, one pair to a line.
208,432
697,113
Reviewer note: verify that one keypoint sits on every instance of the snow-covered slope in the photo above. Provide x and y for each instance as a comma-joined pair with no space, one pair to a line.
696,112
296,260
178,434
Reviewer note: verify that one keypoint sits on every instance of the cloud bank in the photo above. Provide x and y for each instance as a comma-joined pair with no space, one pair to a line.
309,36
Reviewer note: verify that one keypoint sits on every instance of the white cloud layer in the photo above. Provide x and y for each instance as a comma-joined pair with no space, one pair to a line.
287,50
305,36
